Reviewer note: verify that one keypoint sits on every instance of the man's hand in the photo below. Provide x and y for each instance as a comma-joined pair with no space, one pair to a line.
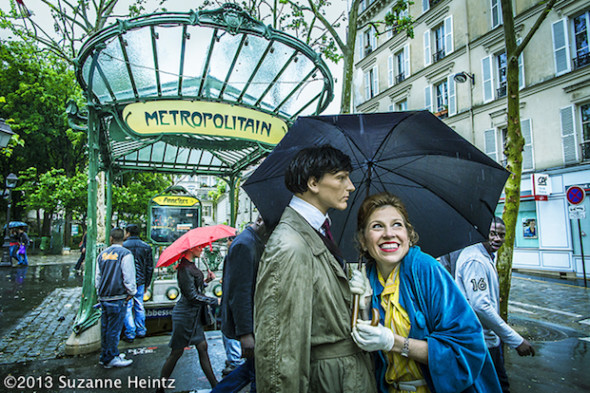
525,349
247,342
359,285
210,276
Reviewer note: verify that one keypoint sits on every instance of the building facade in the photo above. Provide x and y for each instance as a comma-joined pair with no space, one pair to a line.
455,67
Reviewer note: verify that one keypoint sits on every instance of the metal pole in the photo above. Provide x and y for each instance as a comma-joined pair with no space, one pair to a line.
109,209
6,258
582,249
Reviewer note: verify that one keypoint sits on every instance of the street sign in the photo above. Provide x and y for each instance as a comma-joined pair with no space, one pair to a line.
541,186
577,212
575,195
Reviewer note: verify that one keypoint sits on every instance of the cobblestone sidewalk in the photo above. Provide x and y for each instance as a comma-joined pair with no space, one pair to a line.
42,333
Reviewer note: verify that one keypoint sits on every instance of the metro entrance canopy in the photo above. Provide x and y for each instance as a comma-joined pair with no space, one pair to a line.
197,92
202,92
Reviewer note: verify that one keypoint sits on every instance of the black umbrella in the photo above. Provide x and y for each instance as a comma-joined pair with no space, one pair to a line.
449,187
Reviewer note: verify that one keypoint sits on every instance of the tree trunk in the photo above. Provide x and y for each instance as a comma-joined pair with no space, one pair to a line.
346,104
68,229
46,228
513,151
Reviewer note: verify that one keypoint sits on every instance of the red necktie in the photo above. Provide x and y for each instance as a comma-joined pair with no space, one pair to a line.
326,228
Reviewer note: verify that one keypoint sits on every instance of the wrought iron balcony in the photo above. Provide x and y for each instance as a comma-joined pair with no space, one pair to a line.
501,91
438,55
400,77
581,61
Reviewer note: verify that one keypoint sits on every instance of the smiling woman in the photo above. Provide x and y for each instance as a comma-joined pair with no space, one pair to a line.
416,299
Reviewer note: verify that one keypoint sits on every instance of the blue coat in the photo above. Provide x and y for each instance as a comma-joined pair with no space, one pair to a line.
458,360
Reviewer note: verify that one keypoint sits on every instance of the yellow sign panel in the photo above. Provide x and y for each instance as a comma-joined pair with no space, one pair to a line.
203,118
175,201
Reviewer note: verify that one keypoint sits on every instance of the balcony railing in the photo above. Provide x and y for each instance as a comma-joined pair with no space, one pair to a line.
581,61
501,91
400,78
438,55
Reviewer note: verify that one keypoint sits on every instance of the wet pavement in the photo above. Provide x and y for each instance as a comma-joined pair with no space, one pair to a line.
554,315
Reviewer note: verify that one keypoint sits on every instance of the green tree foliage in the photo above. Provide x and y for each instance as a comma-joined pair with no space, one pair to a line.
34,87
133,191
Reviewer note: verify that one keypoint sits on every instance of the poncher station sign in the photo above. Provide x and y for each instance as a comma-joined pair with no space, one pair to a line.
204,118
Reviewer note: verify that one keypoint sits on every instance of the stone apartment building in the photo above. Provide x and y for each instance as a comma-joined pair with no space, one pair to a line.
455,67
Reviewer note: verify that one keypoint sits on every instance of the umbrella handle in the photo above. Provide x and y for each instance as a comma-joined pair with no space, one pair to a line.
355,312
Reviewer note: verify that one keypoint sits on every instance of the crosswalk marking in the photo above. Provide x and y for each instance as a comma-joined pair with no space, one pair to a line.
569,314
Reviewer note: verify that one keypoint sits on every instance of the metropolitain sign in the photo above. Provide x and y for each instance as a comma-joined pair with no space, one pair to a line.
203,118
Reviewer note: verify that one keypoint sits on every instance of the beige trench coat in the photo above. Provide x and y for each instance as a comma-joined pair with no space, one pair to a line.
302,313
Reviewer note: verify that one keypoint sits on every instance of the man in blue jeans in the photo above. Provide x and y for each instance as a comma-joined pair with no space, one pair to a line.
115,285
144,269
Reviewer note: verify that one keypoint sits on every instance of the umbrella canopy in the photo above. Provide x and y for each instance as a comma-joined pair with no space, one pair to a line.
17,224
449,187
201,236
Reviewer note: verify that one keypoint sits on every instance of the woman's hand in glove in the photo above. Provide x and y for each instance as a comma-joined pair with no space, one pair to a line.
372,338
359,285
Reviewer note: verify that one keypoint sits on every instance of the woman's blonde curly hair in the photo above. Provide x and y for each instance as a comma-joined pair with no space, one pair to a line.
372,203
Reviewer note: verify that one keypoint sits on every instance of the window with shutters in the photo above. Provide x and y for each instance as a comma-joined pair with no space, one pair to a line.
495,145
371,83
568,135
402,64
441,102
494,72
369,41
438,41
496,13
585,145
581,31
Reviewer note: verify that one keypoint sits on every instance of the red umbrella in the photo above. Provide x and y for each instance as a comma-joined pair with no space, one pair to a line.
201,236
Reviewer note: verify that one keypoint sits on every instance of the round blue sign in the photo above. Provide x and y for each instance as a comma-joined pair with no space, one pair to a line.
575,195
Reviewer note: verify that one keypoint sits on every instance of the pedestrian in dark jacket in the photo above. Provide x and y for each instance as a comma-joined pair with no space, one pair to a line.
237,303
115,285
144,268
187,317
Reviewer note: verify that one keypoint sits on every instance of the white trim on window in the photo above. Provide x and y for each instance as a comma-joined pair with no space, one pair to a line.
425,5
452,99
521,80
427,53
528,162
487,78
428,98
448,35
390,72
568,134
561,48
490,144
407,60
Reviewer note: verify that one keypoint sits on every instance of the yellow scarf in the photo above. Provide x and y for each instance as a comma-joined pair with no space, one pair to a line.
399,368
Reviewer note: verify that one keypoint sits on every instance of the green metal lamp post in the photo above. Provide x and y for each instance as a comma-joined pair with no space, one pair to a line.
11,181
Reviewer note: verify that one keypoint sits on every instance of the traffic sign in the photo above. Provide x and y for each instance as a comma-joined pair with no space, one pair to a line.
575,195
577,212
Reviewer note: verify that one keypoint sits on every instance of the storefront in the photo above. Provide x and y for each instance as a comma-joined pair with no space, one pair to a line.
547,240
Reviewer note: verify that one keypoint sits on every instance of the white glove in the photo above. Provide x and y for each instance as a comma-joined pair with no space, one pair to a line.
359,285
372,338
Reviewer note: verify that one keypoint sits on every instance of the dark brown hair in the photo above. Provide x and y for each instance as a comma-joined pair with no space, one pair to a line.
374,202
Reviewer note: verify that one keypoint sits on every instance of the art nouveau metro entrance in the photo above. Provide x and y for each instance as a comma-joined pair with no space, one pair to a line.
202,92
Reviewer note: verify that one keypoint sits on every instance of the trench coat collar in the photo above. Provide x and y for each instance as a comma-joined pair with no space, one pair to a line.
293,219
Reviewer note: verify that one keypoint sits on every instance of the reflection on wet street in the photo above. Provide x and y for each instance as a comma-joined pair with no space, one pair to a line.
24,288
